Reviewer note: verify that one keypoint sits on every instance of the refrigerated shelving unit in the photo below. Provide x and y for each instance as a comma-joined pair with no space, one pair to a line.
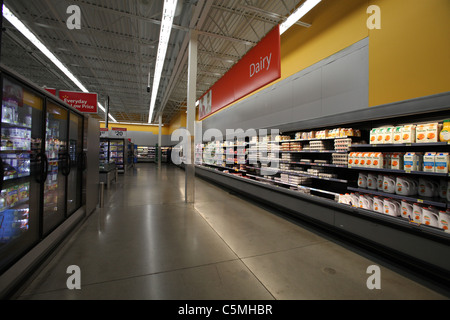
419,247
43,169
145,154
113,150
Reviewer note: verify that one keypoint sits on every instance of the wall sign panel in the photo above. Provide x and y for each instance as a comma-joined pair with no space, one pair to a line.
259,67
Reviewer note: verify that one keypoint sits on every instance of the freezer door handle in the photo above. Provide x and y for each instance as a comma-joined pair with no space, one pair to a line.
84,160
41,177
66,164
2,174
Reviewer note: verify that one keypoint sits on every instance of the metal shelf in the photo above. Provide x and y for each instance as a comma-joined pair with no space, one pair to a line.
390,145
442,175
424,200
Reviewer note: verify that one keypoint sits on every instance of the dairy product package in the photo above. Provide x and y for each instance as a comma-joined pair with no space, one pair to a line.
442,161
409,133
427,133
412,161
429,159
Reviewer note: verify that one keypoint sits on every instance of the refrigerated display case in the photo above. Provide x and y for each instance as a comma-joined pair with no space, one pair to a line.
115,151
41,167
21,116
145,154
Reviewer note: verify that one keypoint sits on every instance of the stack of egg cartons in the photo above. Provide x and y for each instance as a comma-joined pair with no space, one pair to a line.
342,144
317,145
340,159
295,146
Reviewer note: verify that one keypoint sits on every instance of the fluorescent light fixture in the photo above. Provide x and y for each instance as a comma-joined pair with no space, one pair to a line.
298,14
137,124
34,40
164,36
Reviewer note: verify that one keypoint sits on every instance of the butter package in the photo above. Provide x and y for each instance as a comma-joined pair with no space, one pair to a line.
412,161
409,134
398,135
442,160
429,159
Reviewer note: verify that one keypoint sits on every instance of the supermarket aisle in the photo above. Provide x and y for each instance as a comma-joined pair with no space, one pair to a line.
148,244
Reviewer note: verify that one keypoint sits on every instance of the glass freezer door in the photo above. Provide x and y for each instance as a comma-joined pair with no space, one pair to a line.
75,164
20,170
57,157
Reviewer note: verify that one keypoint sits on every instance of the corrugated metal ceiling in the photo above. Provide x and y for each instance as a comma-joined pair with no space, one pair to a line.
113,52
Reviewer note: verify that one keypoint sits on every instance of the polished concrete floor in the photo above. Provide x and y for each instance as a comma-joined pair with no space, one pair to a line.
146,243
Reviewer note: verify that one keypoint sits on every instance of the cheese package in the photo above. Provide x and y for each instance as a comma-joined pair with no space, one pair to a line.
398,135
429,159
409,134
442,161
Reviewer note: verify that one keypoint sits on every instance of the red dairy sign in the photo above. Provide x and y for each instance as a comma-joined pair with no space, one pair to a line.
82,101
259,67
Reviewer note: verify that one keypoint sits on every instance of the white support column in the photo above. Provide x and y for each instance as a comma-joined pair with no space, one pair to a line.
190,119
159,141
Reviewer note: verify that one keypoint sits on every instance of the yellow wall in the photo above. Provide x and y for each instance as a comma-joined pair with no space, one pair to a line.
335,26
179,121
410,56
152,129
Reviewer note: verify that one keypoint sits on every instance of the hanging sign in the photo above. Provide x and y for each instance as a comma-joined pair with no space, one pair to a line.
104,133
259,67
118,133
82,101
51,90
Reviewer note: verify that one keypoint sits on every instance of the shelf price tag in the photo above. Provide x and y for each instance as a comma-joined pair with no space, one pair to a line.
419,200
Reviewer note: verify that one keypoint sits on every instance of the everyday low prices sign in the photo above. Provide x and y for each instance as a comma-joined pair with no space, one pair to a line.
82,101
259,67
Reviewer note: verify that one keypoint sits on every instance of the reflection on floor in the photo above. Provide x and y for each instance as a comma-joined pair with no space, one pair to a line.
146,243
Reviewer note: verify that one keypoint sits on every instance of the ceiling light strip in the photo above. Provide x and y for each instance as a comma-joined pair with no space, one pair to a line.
34,40
298,14
164,36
